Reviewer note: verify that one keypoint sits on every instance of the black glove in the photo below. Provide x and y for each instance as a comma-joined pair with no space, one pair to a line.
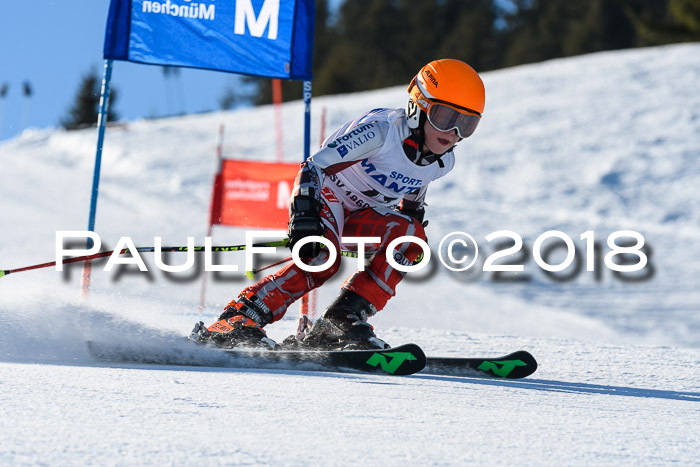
305,220
417,214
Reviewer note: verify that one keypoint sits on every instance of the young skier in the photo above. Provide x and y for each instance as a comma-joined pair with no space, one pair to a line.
369,179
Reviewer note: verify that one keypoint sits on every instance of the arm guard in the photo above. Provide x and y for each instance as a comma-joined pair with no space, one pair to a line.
305,210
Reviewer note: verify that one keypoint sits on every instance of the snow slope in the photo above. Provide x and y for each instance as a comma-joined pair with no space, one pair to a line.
602,143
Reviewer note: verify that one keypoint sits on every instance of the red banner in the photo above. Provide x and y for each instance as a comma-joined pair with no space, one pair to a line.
253,194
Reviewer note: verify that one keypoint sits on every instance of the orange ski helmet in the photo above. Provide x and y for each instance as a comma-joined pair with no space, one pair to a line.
450,94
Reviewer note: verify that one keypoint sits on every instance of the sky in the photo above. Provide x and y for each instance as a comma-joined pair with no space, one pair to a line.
52,43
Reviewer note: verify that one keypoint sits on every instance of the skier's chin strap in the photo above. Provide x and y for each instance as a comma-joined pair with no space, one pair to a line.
430,157
419,138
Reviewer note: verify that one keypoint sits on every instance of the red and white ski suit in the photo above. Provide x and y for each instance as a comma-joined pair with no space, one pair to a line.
366,170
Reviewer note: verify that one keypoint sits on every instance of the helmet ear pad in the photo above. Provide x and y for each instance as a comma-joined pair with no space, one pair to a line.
416,118
414,115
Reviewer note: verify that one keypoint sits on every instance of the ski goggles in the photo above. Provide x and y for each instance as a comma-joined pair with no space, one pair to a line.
445,117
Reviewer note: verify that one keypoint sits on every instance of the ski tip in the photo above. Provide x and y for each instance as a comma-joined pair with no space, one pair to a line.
2,273
250,274
515,365
416,349
529,365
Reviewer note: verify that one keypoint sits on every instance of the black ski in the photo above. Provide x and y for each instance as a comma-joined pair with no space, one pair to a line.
402,360
512,366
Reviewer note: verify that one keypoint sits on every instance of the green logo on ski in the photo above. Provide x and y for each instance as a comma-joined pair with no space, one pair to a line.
390,366
506,366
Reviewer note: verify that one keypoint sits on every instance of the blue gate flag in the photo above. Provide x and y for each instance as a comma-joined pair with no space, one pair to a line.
266,38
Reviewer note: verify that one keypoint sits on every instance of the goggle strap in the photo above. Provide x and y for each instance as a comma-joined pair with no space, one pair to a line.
450,104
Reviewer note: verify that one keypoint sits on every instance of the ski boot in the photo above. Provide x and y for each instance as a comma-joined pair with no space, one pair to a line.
344,325
240,325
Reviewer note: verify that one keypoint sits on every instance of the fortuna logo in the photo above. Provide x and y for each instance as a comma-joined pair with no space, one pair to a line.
365,134
506,366
397,359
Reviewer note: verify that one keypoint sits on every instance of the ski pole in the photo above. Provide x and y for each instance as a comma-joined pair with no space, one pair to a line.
145,249
251,274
